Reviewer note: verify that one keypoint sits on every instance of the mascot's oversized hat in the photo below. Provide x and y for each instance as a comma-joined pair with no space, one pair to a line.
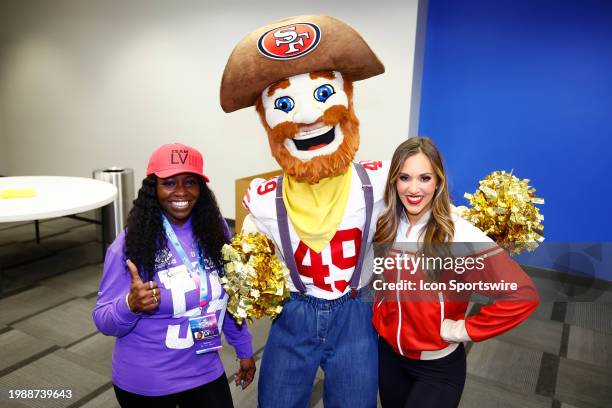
293,46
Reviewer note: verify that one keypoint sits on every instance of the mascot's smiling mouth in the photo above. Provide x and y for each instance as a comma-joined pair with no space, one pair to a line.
317,139
307,142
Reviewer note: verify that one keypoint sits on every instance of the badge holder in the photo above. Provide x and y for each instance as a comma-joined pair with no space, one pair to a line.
205,331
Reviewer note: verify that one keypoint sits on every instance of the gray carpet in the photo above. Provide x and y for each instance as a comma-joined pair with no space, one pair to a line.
560,357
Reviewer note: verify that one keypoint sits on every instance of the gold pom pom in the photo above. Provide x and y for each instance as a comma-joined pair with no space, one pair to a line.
255,279
504,208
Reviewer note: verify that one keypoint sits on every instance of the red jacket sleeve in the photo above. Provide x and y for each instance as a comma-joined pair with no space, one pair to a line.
509,307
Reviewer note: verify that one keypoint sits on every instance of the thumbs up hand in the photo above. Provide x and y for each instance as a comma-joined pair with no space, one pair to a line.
143,296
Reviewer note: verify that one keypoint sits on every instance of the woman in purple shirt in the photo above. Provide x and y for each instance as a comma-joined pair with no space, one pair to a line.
161,286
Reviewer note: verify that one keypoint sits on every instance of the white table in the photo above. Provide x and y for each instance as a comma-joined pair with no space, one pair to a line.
55,197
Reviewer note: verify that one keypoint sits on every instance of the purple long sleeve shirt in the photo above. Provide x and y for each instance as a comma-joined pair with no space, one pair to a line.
154,353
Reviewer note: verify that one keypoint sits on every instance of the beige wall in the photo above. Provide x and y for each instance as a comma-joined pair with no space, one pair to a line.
100,83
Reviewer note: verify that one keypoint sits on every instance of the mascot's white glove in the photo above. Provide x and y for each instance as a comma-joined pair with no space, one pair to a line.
248,225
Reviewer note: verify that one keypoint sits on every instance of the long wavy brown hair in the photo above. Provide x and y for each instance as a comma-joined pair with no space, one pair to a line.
440,228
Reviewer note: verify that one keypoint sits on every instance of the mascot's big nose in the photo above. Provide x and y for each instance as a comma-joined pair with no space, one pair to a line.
307,115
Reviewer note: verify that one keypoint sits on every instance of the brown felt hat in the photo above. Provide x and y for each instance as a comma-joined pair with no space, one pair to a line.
293,46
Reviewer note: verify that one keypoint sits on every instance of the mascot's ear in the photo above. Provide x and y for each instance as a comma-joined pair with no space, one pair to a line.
260,111
290,47
348,90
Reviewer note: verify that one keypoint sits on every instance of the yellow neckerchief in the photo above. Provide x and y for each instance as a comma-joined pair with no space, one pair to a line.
316,210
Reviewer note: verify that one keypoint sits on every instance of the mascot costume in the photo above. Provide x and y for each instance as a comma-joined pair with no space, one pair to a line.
321,213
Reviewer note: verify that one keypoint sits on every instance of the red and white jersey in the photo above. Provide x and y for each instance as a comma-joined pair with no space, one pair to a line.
327,274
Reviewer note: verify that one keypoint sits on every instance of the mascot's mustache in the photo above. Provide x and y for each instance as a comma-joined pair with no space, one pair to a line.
319,167
287,130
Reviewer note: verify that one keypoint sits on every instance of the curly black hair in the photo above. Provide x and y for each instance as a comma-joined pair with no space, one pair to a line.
145,240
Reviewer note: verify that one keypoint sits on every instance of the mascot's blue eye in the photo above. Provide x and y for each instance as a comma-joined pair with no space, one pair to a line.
323,92
284,103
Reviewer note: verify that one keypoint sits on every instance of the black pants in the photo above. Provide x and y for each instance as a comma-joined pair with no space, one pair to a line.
408,383
215,394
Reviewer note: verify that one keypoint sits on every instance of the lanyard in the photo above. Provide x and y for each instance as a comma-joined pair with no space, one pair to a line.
181,253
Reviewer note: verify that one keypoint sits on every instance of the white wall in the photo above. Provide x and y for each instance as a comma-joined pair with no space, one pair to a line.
3,151
90,84
4,39
417,68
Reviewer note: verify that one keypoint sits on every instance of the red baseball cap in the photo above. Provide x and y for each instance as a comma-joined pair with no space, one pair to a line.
172,159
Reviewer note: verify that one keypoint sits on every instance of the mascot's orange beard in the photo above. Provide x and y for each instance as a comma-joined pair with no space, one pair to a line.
319,167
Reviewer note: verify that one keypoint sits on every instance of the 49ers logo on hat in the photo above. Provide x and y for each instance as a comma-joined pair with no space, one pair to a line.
290,41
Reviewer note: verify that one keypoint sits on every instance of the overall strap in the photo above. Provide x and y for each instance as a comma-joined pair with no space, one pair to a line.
368,196
283,229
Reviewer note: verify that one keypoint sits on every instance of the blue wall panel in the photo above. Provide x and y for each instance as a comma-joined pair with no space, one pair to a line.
526,86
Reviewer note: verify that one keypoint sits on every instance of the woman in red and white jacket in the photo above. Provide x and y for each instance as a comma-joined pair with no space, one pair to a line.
422,327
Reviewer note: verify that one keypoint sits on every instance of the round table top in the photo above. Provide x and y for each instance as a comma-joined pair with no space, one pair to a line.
55,197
